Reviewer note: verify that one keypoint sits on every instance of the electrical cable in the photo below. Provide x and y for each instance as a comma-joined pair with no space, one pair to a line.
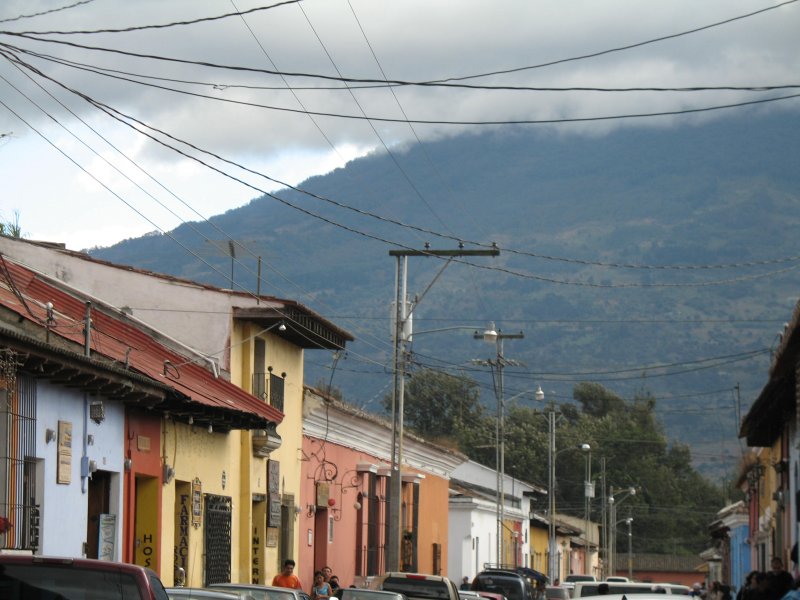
479,244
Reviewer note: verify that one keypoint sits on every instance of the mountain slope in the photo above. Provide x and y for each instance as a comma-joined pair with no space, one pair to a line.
704,195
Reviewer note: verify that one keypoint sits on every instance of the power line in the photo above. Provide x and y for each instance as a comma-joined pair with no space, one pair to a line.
45,12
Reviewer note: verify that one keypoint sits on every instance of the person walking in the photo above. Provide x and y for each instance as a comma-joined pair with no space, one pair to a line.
286,578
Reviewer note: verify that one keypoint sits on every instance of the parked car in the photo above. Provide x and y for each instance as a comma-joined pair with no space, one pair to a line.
27,577
618,578
362,594
417,586
492,596
553,592
179,593
512,585
584,589
574,578
261,592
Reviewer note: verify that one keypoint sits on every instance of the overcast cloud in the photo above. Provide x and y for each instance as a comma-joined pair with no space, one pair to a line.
412,41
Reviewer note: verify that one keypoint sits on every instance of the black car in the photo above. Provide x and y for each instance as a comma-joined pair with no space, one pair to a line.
512,585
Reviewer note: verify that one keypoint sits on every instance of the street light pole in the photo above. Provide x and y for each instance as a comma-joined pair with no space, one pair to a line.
629,521
551,495
495,337
588,492
401,332
612,542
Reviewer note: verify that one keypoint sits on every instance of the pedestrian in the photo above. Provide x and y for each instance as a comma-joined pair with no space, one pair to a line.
746,591
286,578
779,580
602,589
464,583
321,589
334,581
326,573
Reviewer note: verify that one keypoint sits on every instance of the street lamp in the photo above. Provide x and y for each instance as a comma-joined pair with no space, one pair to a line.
612,507
588,492
402,325
629,521
493,336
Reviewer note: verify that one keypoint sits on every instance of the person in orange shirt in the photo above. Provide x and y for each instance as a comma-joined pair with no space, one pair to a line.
287,578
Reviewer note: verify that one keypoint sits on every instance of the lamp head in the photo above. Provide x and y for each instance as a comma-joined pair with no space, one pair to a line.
632,491
282,326
490,334
539,393
586,447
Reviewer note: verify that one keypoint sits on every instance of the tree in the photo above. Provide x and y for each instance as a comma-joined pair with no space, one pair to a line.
439,405
12,228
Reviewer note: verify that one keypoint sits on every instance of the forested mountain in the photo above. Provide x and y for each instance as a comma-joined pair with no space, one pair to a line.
650,259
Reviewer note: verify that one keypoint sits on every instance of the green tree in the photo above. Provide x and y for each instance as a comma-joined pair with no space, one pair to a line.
439,405
12,228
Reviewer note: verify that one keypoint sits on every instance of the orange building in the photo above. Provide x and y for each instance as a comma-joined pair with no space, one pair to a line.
343,515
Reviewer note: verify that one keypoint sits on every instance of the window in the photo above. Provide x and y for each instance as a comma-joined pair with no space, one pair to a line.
276,391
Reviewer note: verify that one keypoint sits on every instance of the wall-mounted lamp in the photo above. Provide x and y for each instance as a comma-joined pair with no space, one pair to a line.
191,420
92,466
167,474
311,509
49,435
357,505
90,440
210,428
97,412
297,510
128,464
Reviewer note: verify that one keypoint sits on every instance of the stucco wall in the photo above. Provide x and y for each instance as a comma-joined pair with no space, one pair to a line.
195,454
64,506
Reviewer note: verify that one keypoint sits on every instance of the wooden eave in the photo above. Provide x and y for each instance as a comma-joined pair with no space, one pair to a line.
303,328
112,381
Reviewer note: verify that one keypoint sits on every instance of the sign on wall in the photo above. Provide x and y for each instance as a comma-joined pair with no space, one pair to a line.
64,458
107,537
197,503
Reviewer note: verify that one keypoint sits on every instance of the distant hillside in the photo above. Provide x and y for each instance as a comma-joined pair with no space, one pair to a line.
637,200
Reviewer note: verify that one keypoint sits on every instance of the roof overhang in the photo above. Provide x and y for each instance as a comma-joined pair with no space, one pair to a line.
303,328
767,416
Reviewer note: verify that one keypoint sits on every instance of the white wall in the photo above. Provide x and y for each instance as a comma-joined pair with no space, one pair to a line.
471,539
64,506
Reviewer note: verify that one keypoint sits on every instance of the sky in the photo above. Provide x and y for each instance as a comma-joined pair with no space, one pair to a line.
74,174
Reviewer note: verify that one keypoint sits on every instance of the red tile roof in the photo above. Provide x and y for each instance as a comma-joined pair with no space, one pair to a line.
124,343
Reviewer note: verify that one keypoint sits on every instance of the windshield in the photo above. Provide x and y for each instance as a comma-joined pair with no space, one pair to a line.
418,588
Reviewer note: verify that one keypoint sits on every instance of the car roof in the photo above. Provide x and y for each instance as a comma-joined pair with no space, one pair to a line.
185,592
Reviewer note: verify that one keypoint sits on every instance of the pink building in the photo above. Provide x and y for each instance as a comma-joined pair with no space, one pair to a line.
346,458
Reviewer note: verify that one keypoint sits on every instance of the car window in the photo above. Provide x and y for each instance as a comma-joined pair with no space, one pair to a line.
511,587
35,582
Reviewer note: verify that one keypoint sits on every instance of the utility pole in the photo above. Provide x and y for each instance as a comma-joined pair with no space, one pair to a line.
497,366
402,317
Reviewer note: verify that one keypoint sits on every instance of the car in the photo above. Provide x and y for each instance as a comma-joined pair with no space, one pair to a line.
492,596
575,577
362,594
178,593
261,592
468,595
509,583
28,577
418,586
556,592
618,578
585,589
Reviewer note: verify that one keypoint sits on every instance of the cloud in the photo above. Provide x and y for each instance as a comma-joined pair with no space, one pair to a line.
412,40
